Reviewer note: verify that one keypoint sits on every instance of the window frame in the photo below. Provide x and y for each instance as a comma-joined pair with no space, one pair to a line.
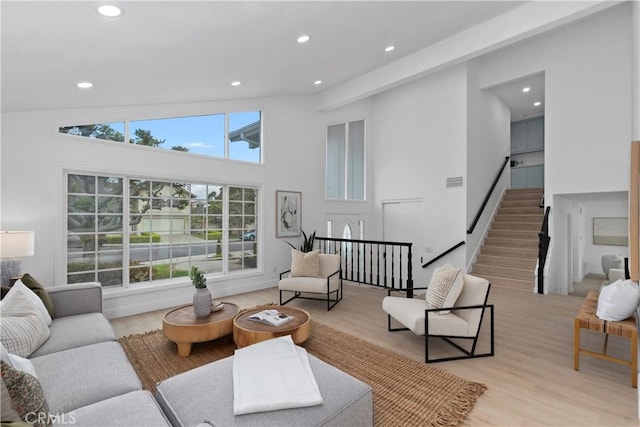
347,184
225,273
127,138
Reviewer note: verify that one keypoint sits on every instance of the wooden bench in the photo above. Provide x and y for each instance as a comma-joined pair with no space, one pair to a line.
587,319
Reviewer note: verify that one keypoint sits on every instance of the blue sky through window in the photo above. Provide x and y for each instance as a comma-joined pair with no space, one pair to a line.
202,134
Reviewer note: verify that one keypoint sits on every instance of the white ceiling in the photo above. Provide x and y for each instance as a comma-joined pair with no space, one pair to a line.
183,51
521,103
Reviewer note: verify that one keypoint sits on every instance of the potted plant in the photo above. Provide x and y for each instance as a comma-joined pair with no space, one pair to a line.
202,296
307,243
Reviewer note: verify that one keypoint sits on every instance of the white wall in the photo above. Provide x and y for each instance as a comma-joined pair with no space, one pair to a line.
610,205
34,156
488,143
588,119
419,140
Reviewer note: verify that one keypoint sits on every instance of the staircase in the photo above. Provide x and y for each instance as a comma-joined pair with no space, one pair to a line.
510,251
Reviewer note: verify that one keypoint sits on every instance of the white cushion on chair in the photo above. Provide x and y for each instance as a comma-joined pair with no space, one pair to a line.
410,312
316,285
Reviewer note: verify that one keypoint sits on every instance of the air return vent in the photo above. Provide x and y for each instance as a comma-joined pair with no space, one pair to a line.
455,181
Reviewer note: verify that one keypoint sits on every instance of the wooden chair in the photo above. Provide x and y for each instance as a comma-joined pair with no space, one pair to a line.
326,287
463,322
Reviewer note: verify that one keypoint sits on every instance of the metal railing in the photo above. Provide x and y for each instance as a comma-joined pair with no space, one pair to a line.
372,262
543,249
488,196
447,252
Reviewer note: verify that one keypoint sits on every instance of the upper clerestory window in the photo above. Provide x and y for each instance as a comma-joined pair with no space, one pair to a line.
236,136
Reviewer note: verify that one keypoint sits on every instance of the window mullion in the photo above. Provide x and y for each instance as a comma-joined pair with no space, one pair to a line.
226,136
346,162
126,131
225,229
126,227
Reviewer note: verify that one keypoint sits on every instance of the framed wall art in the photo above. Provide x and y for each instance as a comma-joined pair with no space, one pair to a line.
611,231
288,213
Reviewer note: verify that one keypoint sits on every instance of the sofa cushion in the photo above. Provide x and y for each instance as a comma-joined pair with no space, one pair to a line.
305,264
444,288
136,408
22,329
31,283
76,331
206,394
25,394
81,376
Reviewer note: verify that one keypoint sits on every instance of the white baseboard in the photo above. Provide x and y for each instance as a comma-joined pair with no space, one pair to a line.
135,302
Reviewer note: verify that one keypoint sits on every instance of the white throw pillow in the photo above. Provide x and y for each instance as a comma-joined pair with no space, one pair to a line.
31,296
22,328
305,264
17,362
618,301
444,288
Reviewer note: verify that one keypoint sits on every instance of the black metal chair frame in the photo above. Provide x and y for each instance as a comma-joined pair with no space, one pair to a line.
300,294
468,353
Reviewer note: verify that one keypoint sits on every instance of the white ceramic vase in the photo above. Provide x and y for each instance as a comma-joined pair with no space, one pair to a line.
202,302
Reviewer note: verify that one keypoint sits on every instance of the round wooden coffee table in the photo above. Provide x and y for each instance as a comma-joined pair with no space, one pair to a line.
182,327
247,332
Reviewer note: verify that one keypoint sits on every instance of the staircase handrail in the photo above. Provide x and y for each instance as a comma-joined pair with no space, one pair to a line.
488,196
447,252
543,248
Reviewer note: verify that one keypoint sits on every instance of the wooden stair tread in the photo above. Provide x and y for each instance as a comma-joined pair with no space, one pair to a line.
509,254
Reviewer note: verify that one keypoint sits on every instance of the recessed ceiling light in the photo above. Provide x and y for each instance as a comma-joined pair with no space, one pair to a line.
536,104
526,89
317,82
236,83
389,48
110,11
85,85
303,39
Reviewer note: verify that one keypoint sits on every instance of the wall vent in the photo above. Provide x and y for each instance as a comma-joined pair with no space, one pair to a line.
455,181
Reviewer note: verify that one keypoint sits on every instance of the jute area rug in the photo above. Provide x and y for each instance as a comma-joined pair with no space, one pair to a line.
406,392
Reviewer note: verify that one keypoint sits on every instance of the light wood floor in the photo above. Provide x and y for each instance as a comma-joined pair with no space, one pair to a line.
530,380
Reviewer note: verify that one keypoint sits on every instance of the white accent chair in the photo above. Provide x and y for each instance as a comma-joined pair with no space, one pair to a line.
463,322
328,284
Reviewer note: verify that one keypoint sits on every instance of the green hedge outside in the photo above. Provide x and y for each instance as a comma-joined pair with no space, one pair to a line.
141,238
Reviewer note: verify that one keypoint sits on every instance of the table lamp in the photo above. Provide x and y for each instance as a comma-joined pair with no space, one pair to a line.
14,244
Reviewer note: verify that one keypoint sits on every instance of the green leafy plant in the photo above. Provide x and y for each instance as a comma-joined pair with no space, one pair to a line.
307,243
197,278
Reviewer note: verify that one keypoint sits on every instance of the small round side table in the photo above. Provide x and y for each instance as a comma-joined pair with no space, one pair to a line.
247,332
181,326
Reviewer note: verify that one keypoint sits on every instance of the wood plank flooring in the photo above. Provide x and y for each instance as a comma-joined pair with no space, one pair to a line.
531,380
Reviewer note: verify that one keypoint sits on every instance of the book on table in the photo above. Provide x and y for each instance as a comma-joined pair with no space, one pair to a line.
271,317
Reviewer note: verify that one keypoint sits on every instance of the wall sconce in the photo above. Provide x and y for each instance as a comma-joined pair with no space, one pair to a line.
14,244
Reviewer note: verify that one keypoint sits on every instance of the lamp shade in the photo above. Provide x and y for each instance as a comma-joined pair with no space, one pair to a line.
16,244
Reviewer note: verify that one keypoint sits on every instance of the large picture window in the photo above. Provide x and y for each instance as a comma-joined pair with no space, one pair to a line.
122,230
346,161
234,136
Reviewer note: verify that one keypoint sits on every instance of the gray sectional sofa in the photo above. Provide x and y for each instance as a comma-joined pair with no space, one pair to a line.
85,375
87,380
